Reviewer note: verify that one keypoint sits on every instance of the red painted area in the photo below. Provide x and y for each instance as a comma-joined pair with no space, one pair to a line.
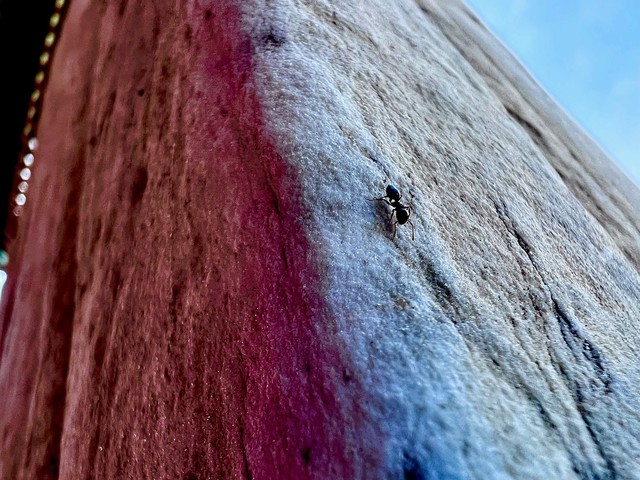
198,342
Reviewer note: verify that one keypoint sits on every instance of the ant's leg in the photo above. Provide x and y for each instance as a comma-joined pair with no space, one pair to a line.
412,230
391,216
395,229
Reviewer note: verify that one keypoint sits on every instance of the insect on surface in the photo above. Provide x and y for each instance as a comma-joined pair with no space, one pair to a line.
401,211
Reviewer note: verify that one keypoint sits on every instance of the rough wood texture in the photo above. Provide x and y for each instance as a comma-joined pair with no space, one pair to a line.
202,288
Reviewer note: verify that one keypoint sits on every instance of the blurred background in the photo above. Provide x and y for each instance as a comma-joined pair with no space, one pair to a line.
23,26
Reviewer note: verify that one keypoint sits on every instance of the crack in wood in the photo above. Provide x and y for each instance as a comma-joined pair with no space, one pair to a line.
580,347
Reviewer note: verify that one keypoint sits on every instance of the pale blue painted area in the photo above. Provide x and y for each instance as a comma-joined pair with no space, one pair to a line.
586,54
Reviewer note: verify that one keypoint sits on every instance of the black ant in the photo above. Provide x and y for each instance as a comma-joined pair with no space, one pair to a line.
403,212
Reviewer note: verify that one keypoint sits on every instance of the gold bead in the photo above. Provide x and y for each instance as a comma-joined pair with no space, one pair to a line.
49,39
31,112
59,4
54,20
35,96
44,58
27,129
39,77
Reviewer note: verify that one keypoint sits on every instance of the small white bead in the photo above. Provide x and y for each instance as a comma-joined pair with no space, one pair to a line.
28,159
33,144
25,174
17,211
21,199
23,186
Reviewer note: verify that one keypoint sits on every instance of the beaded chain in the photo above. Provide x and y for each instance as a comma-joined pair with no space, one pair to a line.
29,132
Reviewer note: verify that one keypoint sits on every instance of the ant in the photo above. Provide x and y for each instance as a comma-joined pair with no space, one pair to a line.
403,212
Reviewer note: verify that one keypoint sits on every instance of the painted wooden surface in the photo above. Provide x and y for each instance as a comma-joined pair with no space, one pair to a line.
202,287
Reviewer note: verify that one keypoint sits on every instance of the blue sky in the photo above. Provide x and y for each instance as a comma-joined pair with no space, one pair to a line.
586,54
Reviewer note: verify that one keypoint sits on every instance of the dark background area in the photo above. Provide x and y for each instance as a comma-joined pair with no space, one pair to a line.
23,26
